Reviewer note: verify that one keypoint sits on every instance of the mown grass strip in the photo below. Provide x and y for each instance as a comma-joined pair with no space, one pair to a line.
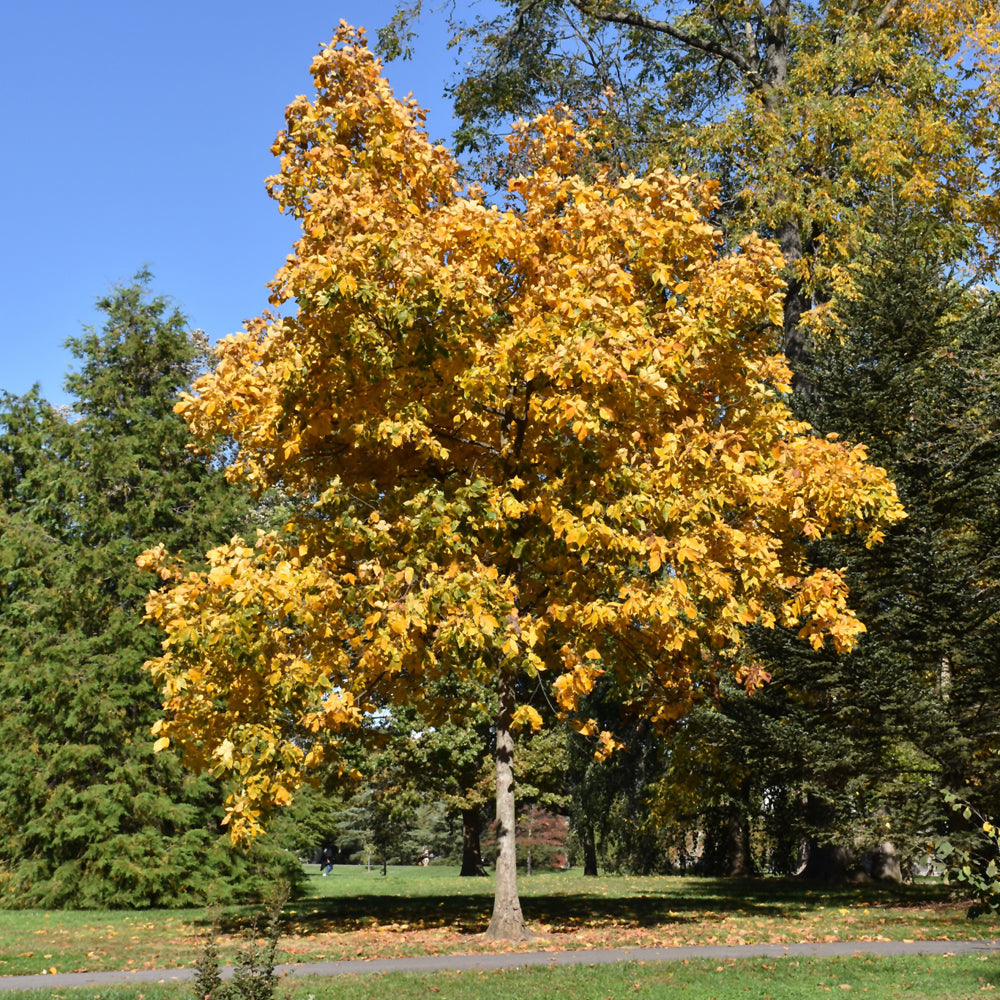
958,977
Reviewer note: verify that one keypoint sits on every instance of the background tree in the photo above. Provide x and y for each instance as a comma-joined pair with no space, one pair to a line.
608,798
454,764
312,822
389,806
448,756
814,117
914,376
548,438
541,838
88,816
805,112
847,753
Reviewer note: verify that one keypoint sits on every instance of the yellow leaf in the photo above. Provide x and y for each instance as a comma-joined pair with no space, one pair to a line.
525,715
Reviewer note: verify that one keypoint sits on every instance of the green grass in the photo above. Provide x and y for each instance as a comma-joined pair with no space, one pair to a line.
908,978
958,978
360,914
652,910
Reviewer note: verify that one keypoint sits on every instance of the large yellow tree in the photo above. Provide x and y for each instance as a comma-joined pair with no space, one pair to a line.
547,438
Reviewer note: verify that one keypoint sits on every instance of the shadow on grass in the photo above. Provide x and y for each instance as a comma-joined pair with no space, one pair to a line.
648,904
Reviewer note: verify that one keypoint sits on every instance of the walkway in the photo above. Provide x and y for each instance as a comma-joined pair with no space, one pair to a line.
514,960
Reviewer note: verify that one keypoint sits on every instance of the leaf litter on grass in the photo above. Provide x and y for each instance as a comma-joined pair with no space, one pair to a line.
407,915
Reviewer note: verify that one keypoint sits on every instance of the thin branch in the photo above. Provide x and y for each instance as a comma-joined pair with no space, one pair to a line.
485,445
634,20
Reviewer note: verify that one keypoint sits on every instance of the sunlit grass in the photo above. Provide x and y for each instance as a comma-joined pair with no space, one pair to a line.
357,913
942,977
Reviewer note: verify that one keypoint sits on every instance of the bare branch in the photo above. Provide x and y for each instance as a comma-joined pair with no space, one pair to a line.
634,20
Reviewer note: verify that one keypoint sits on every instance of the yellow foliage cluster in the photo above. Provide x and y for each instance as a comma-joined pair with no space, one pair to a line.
546,437
885,104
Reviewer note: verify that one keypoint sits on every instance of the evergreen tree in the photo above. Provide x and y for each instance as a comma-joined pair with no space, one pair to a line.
915,375
88,815
849,752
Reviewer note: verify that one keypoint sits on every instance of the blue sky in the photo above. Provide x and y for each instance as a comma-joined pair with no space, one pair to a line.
139,133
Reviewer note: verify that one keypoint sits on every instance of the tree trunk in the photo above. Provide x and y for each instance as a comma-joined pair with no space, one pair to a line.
944,679
826,863
789,235
794,342
472,860
589,852
507,922
737,855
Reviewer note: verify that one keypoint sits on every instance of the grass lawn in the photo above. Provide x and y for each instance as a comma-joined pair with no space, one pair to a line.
360,914
959,977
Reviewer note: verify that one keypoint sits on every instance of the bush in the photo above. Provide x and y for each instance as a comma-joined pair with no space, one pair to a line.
978,865
253,971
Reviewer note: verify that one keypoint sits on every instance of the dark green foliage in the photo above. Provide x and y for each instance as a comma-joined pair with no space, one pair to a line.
428,779
849,751
309,823
388,802
838,755
611,825
89,816
398,813
917,380
519,59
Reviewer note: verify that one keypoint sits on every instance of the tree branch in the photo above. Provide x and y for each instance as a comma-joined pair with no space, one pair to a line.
634,20
887,10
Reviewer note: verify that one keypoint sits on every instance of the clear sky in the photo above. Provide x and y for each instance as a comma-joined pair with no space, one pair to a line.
138,133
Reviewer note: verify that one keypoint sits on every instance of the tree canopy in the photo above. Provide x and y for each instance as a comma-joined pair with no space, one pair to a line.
545,438
846,753
806,112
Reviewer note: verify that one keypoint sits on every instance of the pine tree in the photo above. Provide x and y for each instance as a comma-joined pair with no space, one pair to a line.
849,752
915,375
88,814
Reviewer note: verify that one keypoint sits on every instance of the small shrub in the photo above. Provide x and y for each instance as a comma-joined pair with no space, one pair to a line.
253,971
978,867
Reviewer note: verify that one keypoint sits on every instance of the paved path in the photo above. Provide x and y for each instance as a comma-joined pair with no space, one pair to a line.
513,960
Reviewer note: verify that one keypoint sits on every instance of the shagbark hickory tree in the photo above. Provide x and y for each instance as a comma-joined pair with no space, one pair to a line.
546,438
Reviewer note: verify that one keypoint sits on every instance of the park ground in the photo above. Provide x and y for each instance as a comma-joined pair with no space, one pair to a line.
356,913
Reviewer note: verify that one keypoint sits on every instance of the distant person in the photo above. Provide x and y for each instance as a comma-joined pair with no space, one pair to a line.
326,861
